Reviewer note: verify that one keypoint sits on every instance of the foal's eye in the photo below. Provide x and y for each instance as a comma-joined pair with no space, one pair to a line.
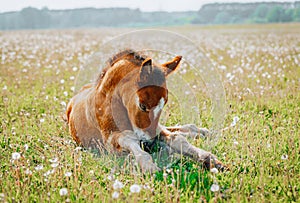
143,107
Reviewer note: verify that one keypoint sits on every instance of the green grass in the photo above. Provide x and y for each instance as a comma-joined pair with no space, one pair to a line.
262,149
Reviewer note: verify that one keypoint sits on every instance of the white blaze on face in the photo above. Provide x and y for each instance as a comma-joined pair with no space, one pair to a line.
158,108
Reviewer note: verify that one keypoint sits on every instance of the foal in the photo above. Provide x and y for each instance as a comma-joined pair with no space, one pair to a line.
122,109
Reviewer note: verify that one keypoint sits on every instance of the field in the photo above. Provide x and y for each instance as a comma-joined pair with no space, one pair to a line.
259,67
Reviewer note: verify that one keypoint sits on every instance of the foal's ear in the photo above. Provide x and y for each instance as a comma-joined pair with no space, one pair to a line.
170,66
146,69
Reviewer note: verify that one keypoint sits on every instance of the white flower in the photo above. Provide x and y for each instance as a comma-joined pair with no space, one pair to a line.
234,121
26,147
54,160
28,172
15,155
214,170
63,103
42,120
63,191
78,149
135,188
115,195
39,167
235,142
68,174
215,187
4,88
54,165
109,177
117,185
62,81
284,157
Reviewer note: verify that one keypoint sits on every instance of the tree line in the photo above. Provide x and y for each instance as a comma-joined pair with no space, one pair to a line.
238,13
224,13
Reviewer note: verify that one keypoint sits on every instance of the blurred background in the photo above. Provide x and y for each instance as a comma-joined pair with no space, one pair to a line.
46,14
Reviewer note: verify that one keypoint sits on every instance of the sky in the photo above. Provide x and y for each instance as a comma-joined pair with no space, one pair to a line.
144,5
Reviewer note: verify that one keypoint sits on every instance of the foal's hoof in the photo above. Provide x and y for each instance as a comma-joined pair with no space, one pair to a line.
212,162
150,168
146,164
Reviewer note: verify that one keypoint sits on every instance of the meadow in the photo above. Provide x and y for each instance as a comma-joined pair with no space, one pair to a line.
259,66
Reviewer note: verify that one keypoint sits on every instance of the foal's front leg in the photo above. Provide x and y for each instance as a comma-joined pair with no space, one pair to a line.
190,130
180,145
128,141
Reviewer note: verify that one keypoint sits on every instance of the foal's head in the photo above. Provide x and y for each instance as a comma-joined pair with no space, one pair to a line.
150,96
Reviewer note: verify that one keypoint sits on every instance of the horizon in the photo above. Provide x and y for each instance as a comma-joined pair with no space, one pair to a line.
144,6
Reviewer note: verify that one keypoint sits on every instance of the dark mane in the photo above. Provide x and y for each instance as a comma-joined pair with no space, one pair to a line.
135,57
130,54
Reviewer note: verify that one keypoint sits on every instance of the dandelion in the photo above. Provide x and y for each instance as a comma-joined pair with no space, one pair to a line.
135,188
54,160
68,174
15,155
39,167
234,121
28,172
77,149
63,103
284,157
63,191
214,170
26,147
109,177
115,195
54,165
215,187
117,185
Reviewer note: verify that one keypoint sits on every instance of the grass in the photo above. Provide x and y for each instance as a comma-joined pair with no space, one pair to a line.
261,80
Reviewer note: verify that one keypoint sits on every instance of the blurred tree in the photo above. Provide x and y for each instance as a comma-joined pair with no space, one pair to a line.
296,15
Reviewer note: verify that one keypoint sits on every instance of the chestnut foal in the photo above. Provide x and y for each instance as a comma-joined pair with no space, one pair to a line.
123,107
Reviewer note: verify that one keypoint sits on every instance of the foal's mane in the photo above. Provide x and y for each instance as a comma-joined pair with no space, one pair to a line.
136,58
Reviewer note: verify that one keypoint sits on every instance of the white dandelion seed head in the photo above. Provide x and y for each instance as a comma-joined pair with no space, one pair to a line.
68,174
63,191
115,195
15,155
214,170
26,147
135,188
215,187
117,185
54,160
28,172
54,165
109,177
39,167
